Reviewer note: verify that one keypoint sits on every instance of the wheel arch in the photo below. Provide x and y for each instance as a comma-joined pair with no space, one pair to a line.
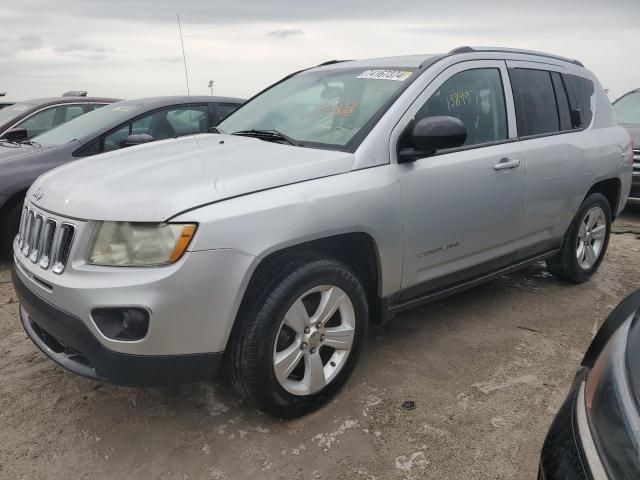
357,249
611,189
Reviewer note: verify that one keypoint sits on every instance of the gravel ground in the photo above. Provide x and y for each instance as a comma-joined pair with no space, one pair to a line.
487,370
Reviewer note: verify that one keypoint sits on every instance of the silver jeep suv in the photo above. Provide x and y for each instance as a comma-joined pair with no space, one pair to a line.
337,197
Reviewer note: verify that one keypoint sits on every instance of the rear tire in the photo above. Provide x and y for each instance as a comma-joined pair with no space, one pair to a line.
9,225
585,243
299,335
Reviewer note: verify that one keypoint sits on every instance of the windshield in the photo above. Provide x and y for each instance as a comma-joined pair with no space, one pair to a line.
321,108
628,109
11,112
92,123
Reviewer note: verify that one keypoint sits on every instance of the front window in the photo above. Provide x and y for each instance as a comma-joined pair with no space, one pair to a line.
324,108
628,109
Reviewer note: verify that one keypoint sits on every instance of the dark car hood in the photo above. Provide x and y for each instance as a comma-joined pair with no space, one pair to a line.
9,151
20,165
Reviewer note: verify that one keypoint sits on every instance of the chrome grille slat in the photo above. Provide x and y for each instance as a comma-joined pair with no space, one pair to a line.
27,233
23,218
44,240
636,161
35,245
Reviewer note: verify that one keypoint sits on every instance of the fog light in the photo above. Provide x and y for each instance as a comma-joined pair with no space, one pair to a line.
126,324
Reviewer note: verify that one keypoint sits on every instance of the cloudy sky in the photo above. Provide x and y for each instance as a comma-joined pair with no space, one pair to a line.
131,48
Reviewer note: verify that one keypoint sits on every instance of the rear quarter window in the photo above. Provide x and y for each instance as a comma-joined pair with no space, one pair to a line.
582,97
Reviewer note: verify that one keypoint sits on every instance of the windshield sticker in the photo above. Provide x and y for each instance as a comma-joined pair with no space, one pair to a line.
396,75
346,110
124,108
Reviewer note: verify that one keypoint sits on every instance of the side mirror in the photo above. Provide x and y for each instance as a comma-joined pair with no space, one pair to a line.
16,135
432,134
136,139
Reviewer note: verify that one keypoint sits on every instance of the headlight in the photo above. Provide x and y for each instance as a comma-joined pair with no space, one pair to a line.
126,244
611,409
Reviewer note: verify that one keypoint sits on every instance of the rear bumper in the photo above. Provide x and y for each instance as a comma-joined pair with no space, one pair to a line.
67,340
569,452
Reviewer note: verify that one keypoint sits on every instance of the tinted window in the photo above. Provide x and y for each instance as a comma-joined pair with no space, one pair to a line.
536,111
582,97
225,109
564,110
476,97
628,109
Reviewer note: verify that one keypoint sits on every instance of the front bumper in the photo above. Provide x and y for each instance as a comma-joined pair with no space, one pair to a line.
67,341
569,452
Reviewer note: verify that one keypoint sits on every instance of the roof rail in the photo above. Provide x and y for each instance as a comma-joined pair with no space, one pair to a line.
331,62
467,49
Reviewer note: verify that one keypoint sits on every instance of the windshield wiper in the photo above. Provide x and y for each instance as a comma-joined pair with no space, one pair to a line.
269,136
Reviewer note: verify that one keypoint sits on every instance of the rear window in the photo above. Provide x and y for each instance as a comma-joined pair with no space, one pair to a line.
536,110
582,97
628,109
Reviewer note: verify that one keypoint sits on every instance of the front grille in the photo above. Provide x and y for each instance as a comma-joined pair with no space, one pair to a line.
45,240
636,161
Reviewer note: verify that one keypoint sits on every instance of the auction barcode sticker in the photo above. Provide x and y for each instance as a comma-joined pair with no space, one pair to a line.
397,75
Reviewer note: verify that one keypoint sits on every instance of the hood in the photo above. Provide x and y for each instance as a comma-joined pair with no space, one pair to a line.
153,182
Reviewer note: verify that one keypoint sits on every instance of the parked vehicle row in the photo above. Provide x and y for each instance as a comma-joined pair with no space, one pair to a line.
25,120
107,129
337,197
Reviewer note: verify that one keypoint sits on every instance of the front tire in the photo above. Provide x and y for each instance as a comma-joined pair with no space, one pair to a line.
299,335
585,243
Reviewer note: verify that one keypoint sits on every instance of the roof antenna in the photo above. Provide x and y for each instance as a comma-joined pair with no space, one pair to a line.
184,56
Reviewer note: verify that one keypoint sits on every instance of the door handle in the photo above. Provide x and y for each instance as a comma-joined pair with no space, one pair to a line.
505,164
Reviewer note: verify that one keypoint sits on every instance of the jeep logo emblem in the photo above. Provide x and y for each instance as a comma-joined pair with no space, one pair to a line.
38,194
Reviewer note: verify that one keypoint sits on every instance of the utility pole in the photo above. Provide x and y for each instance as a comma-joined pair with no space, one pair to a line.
211,86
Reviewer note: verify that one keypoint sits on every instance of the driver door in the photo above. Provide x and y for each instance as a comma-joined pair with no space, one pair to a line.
463,209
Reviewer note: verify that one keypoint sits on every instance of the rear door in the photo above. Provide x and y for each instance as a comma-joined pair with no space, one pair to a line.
462,207
553,165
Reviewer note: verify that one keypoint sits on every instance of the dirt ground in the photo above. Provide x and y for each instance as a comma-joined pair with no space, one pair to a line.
487,370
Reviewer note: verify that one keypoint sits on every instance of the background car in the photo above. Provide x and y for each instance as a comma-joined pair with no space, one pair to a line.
110,128
627,110
25,120
596,433
5,104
